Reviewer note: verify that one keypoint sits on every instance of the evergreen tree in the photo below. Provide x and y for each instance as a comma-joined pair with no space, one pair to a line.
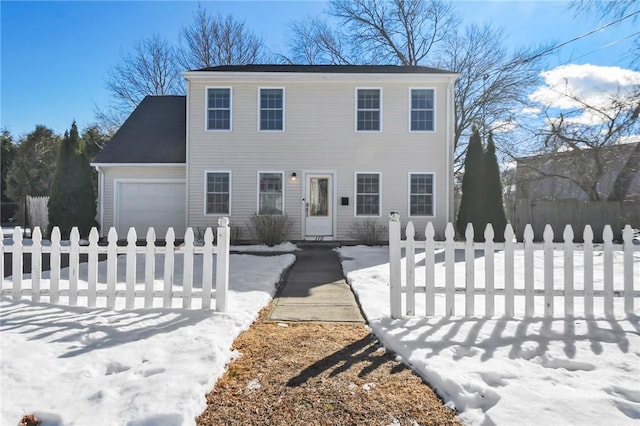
472,205
72,201
493,190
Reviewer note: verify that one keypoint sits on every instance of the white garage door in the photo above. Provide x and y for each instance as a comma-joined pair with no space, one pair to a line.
144,204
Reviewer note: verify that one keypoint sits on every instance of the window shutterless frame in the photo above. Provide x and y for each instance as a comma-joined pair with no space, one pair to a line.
366,108
218,107
363,192
421,111
421,192
217,191
274,114
270,190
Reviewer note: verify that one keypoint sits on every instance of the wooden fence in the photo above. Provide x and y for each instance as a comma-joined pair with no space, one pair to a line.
516,278
134,273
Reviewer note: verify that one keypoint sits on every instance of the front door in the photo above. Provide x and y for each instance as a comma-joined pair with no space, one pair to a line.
319,205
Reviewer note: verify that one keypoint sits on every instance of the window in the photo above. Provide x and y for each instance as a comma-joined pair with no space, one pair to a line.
271,109
368,106
367,194
218,191
218,108
421,194
422,109
270,193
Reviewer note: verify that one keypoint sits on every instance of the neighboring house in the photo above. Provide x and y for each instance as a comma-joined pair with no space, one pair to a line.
326,145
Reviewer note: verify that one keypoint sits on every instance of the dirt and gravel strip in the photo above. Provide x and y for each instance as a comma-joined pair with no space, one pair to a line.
319,374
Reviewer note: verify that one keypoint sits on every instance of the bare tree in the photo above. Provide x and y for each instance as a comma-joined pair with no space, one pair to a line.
617,11
217,40
493,82
586,141
150,68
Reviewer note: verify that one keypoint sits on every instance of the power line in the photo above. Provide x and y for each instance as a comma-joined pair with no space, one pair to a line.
558,46
602,47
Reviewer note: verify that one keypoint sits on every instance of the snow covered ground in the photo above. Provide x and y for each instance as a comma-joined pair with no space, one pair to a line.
535,371
78,366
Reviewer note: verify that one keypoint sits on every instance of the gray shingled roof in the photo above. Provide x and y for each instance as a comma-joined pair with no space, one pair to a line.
154,133
345,69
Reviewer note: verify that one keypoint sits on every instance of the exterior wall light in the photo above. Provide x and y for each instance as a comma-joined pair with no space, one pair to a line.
293,176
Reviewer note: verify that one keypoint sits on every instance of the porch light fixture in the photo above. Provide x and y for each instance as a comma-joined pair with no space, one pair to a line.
293,176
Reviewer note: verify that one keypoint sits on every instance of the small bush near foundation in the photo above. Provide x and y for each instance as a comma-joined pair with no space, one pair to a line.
234,234
270,230
367,231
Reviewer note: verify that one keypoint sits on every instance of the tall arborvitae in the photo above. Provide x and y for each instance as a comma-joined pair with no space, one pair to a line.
472,205
72,200
496,215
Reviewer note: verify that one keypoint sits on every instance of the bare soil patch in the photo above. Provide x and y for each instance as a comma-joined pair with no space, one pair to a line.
319,374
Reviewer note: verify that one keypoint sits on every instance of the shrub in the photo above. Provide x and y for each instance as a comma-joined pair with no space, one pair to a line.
270,230
367,231
198,234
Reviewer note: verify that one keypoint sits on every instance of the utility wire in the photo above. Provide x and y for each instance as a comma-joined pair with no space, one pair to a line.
558,46
602,47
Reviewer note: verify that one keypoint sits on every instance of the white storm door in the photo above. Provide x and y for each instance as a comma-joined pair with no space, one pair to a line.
319,205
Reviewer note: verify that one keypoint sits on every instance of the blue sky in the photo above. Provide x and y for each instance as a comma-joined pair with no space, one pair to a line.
55,55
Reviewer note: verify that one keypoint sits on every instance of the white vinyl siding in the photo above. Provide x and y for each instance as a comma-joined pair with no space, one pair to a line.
421,194
270,193
218,108
422,110
369,109
367,194
271,109
218,196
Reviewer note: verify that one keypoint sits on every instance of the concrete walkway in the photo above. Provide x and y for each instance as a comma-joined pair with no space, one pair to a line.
315,289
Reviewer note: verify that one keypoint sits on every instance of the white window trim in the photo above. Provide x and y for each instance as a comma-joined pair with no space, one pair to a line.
435,97
355,194
206,109
281,173
284,109
433,193
206,172
355,115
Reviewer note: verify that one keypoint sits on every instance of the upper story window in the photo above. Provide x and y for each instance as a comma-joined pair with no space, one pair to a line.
218,108
218,192
422,110
367,194
272,109
421,194
368,109
270,193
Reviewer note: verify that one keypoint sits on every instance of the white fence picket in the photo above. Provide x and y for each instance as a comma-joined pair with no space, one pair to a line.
489,286
207,269
112,267
54,264
149,268
16,263
132,238
449,260
529,307
92,268
222,264
469,278
167,294
567,236
607,238
187,277
587,249
36,264
547,248
429,262
547,236
627,238
509,277
74,266
410,253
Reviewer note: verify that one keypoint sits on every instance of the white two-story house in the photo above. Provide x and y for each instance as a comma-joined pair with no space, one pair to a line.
326,145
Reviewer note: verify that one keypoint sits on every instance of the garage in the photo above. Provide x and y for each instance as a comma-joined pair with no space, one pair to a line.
141,204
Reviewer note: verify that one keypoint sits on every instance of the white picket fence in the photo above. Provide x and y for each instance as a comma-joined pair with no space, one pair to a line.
125,265
516,277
